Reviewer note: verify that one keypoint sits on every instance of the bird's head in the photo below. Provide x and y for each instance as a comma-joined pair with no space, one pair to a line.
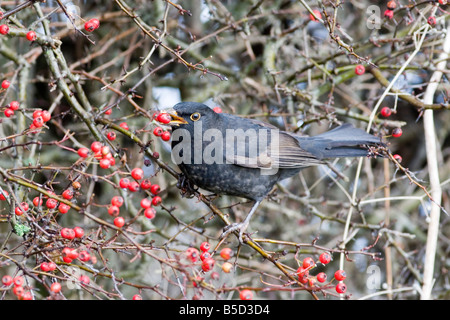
186,114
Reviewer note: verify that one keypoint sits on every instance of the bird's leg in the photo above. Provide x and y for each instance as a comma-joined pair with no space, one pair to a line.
187,188
240,226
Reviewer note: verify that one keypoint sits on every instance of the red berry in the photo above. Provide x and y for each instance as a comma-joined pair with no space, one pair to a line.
303,275
124,183
37,201
4,29
227,267
117,201
226,253
164,118
95,22
134,186
7,280
37,113
46,116
124,125
51,266
5,84
155,189
18,291
67,194
63,208
397,132
113,211
38,122
443,2
31,36
55,287
4,195
398,158
111,135
193,254
158,131
89,26
246,295
165,136
44,266
67,233
341,287
432,21
205,255
18,281
79,232
308,263
84,279
136,297
208,264
391,5
325,258
217,109
137,173
340,275
150,213
72,254
205,246
119,222
146,203
96,146
389,14
19,210
318,15
84,256
51,203
156,201
146,184
360,69
83,152
105,163
14,105
8,112
321,277
386,112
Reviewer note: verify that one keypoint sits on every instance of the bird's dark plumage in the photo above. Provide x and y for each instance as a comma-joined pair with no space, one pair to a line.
228,154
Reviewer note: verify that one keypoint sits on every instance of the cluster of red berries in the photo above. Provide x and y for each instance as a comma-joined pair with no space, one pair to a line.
70,254
18,288
51,203
308,263
39,118
396,132
389,13
10,108
31,35
163,118
101,153
91,25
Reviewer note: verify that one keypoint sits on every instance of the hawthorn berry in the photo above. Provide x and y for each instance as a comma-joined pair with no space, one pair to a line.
391,5
443,2
146,184
31,36
340,275
217,109
227,267
389,14
150,213
96,146
95,22
205,255
27,296
325,258
4,29
37,201
4,195
83,152
79,232
158,131
84,256
63,208
51,266
137,297
146,203
111,135
155,189
84,279
397,132
341,287
156,201
164,118
318,15
119,222
124,183
5,84
193,254
308,263
360,69
19,210
105,163
208,264
51,203
165,136
46,116
18,281
137,173
321,277
44,266
14,105
205,246
38,122
55,287
303,275
72,253
7,280
67,194
133,186
89,26
432,21
386,112
398,158
67,233
8,112
18,291
124,125
113,211
246,295
117,201
226,253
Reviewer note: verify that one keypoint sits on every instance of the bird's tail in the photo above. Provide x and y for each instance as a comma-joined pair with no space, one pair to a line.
343,141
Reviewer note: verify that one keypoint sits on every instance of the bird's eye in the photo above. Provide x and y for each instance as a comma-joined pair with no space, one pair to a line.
195,116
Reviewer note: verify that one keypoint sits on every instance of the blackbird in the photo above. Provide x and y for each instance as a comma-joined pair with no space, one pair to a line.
227,154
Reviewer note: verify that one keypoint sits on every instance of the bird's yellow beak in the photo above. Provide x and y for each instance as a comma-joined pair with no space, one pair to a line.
176,119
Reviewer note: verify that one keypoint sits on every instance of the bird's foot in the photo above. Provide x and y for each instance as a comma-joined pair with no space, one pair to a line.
187,188
241,227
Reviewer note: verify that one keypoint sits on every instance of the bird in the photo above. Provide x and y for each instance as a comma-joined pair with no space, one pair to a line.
231,155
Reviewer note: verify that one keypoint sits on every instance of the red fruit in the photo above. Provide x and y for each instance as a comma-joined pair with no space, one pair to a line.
105,163
5,84
51,266
18,291
391,5
67,233
137,173
79,232
55,287
83,152
136,297
325,258
84,279
19,210
360,69
117,201
146,184
124,183
46,116
89,26
31,36
432,21
164,118
386,112
208,264
308,263
134,186
165,136
246,295
38,122
96,146
18,281
156,201
389,14
4,29
37,113
95,22
51,203
341,287
67,194
63,208
119,222
443,2
72,254
111,135
217,109
158,131
318,15
205,246
124,125
398,158
8,113
321,277
227,267
226,253
27,296
303,275
84,256
67,260
397,132
340,275
113,211
150,213
7,280
14,105
44,266
146,203
3,195
193,254
155,189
